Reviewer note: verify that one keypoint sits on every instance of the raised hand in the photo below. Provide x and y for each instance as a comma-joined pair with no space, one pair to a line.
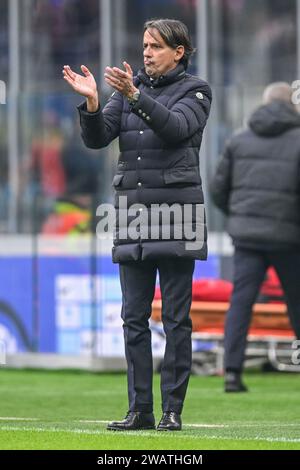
120,80
84,85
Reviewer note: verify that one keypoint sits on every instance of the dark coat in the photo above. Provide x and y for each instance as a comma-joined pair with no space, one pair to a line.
257,183
159,138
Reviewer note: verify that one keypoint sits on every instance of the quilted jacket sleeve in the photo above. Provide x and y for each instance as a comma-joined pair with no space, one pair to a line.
183,120
221,184
102,127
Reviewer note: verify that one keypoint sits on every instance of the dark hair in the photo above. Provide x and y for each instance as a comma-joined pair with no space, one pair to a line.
174,33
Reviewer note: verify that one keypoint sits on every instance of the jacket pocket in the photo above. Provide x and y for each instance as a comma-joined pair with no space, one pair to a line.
182,175
117,179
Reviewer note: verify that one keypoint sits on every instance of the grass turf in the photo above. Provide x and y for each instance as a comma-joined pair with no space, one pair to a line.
69,410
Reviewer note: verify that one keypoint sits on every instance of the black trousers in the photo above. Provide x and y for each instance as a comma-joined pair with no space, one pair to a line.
249,270
138,285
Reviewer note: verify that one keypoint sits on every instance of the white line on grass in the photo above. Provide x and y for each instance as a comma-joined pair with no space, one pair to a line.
12,418
92,432
98,421
93,421
189,425
149,434
242,425
204,425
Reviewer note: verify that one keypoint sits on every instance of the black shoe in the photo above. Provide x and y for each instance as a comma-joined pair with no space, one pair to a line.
170,421
134,420
233,383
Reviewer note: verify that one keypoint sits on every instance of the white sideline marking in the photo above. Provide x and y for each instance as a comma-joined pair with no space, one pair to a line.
242,425
207,425
193,425
87,431
189,425
12,418
97,421
143,433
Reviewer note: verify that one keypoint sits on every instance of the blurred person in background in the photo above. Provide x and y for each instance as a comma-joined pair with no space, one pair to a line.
45,165
159,116
257,185
72,211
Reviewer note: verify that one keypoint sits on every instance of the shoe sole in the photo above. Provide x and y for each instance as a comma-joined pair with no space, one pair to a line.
144,428
170,430
235,390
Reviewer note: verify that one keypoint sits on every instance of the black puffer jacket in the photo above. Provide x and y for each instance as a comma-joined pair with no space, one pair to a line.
160,138
257,182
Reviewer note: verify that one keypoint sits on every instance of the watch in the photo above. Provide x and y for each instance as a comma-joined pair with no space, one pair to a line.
134,98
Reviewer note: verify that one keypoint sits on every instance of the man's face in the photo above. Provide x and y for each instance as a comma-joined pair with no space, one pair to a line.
159,58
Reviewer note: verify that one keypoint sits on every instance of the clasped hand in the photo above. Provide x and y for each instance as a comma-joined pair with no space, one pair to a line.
85,85
120,80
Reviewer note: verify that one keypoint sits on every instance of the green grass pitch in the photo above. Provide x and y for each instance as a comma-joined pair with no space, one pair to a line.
69,410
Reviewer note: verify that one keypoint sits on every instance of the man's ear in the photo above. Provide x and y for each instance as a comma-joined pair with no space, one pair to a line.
179,53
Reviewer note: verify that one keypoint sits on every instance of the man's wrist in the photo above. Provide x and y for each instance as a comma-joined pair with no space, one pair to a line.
134,96
92,103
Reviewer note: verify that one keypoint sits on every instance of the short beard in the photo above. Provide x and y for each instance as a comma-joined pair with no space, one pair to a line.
152,75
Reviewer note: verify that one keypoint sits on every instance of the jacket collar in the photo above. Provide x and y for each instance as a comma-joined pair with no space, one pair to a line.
170,77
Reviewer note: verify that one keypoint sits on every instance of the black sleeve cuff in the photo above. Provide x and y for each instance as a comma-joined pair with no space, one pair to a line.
82,108
143,107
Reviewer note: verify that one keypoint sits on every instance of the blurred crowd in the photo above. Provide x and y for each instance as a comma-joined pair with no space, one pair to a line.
250,44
